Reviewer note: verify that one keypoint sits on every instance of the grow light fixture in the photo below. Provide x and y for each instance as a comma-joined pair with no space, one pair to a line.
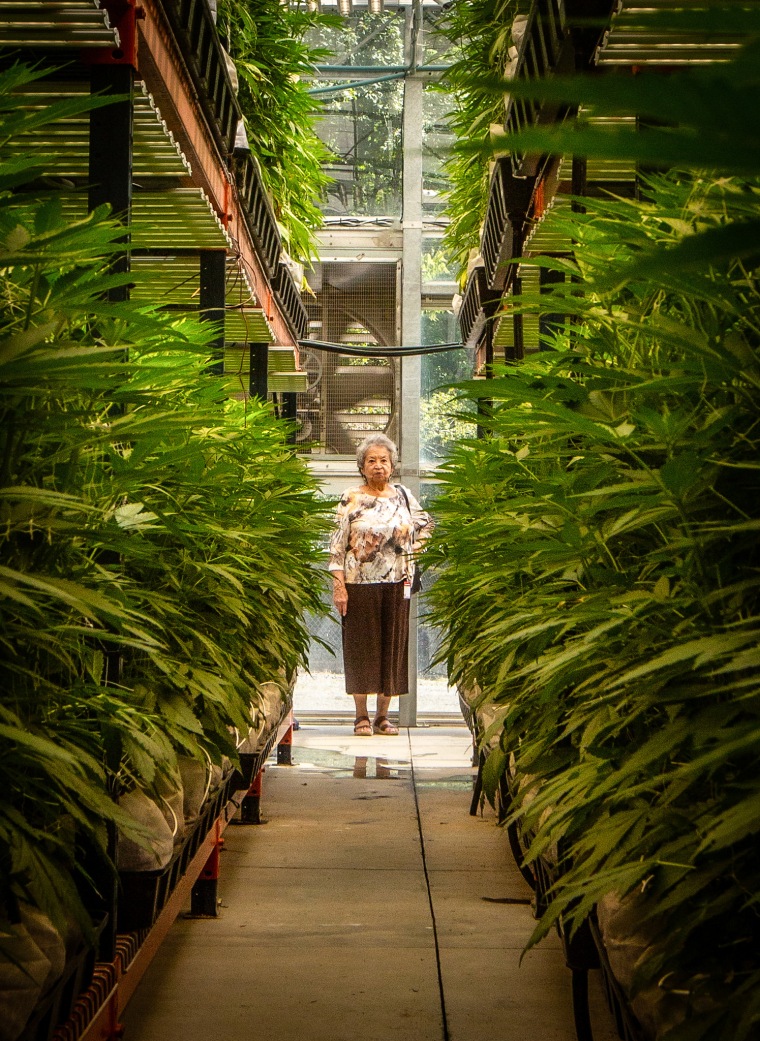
344,7
375,6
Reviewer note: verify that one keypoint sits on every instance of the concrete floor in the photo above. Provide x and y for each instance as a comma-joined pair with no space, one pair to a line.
370,905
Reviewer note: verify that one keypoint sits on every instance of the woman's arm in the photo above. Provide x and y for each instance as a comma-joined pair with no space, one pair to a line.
338,546
340,593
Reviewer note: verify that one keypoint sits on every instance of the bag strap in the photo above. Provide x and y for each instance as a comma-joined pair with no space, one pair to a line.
402,489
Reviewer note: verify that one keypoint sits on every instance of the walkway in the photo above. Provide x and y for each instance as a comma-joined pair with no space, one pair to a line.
370,906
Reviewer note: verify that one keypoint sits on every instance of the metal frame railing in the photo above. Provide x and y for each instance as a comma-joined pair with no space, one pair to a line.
290,300
479,304
195,29
258,212
508,203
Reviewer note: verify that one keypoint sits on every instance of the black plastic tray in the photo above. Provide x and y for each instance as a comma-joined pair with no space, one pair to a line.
143,894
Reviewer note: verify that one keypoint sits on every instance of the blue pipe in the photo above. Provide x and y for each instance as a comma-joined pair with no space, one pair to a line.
378,68
355,83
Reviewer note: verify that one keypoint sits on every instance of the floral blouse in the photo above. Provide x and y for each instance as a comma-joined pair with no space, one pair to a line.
373,537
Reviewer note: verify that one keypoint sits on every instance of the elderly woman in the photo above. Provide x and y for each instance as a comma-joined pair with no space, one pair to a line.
379,528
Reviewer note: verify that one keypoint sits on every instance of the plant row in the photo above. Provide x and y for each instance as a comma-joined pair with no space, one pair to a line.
598,551
157,542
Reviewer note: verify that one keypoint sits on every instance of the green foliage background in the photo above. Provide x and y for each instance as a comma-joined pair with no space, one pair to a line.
366,117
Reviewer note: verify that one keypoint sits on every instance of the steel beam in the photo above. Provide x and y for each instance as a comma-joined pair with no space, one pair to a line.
110,155
213,273
411,328
257,375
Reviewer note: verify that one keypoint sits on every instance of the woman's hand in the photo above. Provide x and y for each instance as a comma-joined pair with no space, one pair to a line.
340,595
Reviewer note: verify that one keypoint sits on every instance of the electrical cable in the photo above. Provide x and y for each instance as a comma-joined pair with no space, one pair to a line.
375,351
444,1018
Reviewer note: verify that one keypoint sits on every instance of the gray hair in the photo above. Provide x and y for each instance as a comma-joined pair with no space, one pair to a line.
376,439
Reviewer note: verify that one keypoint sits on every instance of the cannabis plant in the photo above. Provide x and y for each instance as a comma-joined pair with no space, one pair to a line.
156,544
481,35
274,62
599,557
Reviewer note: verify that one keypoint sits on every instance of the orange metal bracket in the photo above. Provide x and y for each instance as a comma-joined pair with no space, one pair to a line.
256,784
210,872
123,15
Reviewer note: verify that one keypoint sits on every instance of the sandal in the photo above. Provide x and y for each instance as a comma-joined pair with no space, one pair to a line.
383,725
362,726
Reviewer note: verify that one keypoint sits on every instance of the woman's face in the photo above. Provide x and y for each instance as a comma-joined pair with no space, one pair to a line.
378,467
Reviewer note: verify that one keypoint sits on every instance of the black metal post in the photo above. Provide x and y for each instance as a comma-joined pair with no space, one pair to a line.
485,403
111,131
257,379
285,748
250,808
517,324
290,412
580,189
204,902
213,273
551,322
579,182
110,159
110,162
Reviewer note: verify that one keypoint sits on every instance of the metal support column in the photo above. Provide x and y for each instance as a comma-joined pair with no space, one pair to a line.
289,411
110,145
517,324
257,378
250,808
411,329
213,271
111,131
485,404
110,158
285,748
204,901
549,322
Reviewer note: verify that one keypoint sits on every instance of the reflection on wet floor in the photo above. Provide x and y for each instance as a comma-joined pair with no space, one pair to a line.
378,768
338,764
444,783
343,762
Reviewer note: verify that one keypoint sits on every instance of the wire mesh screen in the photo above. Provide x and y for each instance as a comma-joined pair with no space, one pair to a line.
362,127
437,141
443,415
361,124
348,397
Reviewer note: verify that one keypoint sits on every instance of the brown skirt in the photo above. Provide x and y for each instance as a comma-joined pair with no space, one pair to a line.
376,639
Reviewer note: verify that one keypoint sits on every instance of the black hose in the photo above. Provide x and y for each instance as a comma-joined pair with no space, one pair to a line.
376,351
